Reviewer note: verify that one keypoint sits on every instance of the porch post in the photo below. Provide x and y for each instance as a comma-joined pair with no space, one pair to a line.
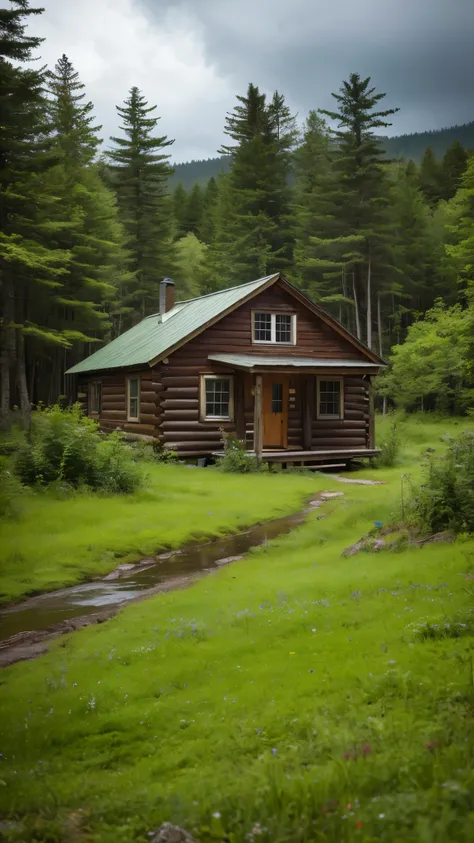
371,415
306,407
257,418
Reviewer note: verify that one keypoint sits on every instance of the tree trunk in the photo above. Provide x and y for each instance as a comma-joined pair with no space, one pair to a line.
356,306
379,323
25,405
369,305
8,349
384,406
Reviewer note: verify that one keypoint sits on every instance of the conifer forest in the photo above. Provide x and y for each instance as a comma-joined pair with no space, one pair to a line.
89,225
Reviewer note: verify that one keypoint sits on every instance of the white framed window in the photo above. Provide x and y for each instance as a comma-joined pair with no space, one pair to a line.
273,328
95,396
133,399
330,398
217,397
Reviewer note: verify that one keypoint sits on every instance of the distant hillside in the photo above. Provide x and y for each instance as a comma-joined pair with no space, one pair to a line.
401,146
413,146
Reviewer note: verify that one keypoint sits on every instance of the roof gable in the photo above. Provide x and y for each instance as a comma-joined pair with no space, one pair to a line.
155,337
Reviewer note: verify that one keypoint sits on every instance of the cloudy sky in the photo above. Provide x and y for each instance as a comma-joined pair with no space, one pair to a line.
191,57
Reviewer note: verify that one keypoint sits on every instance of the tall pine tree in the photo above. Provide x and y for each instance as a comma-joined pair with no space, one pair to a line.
254,236
140,167
28,264
362,249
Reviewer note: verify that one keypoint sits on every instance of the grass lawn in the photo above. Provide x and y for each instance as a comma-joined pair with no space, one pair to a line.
296,695
56,543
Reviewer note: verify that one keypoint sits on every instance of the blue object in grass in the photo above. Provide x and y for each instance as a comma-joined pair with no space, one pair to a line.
378,523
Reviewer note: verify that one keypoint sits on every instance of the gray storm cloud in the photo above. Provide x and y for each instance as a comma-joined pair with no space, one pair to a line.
192,57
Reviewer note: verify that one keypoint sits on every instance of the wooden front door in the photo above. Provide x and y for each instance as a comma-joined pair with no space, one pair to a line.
275,411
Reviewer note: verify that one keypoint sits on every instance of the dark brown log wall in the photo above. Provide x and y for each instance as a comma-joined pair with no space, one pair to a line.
113,414
353,430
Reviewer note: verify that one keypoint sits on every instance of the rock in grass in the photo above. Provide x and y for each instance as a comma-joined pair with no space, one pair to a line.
169,833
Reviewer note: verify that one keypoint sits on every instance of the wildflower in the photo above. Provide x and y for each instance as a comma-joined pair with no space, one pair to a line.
347,755
366,749
359,824
349,806
292,652
216,815
381,816
274,751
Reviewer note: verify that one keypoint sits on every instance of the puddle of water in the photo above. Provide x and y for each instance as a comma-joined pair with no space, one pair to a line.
40,613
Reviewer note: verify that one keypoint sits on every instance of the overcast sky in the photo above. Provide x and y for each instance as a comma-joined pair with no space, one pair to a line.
191,57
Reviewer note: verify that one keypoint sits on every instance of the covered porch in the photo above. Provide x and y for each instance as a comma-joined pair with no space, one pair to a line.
303,411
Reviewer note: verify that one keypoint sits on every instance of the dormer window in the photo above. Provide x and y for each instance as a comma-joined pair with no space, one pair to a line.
274,328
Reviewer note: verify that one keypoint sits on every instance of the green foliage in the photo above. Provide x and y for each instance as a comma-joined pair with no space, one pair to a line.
66,446
445,500
139,165
236,460
190,263
431,369
152,452
11,490
254,236
390,447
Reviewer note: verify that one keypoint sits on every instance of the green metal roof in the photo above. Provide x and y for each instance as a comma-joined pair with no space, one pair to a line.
153,336
260,361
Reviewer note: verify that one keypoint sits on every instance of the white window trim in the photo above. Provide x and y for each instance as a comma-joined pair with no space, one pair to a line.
131,418
223,376
273,341
341,398
91,386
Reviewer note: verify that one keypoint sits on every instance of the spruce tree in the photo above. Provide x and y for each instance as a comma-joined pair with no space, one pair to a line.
431,177
256,234
140,166
28,265
194,210
180,205
73,120
362,249
316,219
453,167
85,214
207,228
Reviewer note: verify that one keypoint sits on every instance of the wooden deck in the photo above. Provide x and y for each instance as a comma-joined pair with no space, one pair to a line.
339,456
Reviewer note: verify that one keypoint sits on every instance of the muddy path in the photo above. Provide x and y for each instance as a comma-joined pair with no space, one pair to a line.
27,628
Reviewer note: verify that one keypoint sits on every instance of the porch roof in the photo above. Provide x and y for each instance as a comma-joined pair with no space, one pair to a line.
259,362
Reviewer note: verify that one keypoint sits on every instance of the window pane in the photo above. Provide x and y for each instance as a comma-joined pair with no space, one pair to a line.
263,327
283,328
277,398
133,388
217,397
330,398
133,408
96,397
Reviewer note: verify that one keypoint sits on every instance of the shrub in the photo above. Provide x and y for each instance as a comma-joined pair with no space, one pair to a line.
66,446
143,451
11,490
446,498
390,447
236,460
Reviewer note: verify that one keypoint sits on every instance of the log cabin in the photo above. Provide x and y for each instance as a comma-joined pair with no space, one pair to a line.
260,361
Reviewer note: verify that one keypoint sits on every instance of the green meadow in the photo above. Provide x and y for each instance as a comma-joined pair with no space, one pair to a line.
295,695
